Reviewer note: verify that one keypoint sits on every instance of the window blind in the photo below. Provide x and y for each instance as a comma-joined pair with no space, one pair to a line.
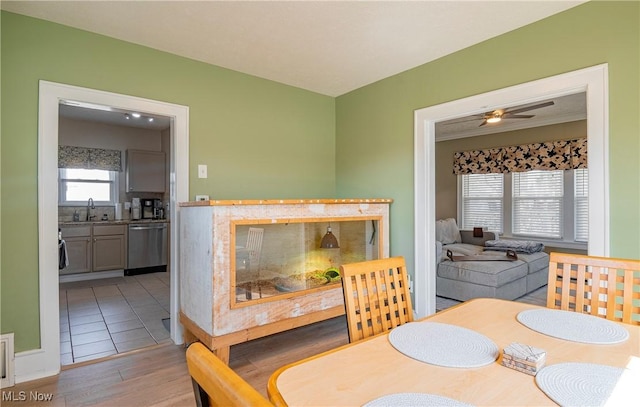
537,203
581,202
482,201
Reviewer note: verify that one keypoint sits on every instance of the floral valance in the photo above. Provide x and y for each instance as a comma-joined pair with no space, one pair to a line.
550,155
89,158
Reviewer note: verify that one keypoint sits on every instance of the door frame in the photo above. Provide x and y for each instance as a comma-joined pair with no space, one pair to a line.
592,80
45,361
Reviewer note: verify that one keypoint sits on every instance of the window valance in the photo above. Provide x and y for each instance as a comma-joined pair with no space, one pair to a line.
89,158
550,155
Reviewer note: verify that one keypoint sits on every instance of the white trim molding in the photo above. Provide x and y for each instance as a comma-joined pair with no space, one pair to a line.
45,361
592,80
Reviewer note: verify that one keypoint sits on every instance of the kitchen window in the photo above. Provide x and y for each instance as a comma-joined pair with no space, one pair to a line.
76,186
550,205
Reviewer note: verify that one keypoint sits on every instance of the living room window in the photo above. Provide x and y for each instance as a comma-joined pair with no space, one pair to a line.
536,204
537,198
482,201
77,185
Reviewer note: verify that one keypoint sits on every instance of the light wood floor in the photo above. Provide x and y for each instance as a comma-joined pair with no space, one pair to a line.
158,376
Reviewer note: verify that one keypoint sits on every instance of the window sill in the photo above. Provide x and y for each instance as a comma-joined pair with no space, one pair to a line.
551,243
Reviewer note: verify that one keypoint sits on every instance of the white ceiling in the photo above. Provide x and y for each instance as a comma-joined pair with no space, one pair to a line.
564,109
109,115
329,47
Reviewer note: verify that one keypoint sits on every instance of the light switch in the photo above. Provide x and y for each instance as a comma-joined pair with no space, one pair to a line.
202,171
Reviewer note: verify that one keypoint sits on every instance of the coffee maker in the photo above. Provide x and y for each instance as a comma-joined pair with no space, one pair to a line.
158,209
152,209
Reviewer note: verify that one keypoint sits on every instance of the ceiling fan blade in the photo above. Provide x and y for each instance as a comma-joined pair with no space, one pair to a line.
483,123
469,118
517,116
524,109
464,121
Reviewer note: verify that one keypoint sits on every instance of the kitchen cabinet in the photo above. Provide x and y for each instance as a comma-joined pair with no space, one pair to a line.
109,247
94,248
146,171
78,242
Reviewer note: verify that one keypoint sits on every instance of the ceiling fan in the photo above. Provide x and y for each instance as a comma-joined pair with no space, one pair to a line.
496,116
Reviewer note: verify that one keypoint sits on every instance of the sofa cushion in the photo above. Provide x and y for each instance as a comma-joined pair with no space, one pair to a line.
488,273
535,261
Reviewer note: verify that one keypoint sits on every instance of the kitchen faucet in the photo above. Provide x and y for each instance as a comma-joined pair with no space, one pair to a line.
90,206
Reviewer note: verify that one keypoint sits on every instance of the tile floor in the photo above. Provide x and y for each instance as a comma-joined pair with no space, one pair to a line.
100,318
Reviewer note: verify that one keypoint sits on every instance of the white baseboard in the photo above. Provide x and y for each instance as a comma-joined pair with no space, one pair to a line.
68,278
36,364
7,361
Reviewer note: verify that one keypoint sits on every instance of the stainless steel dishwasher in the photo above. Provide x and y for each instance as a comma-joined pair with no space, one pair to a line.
147,248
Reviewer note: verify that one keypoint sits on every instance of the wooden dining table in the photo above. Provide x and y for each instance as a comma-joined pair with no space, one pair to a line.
357,373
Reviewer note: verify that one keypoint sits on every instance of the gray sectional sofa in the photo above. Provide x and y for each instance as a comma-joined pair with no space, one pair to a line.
464,280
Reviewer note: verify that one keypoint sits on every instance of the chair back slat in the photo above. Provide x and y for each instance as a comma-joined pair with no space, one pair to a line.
600,286
377,296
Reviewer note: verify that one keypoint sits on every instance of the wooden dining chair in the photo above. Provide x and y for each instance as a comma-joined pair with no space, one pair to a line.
215,384
376,296
601,286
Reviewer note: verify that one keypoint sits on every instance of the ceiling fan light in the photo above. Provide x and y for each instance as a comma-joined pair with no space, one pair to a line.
494,119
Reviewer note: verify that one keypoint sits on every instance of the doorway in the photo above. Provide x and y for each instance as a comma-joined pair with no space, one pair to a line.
592,80
46,360
102,311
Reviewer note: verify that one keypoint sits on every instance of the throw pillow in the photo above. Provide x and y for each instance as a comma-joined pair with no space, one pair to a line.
447,231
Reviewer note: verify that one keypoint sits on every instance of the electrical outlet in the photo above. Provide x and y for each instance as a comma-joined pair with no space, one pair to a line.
202,171
202,197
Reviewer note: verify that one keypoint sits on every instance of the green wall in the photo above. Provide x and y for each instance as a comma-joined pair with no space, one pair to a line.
260,139
374,133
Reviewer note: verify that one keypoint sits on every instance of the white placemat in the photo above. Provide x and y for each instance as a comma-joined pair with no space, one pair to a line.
578,384
573,326
414,399
444,344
